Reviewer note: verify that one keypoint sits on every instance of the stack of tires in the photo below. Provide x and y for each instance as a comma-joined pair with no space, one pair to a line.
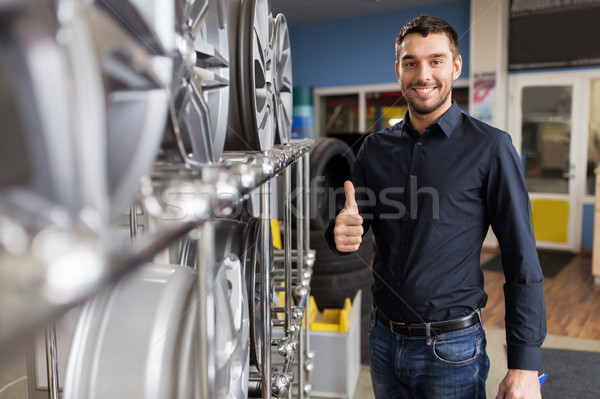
337,277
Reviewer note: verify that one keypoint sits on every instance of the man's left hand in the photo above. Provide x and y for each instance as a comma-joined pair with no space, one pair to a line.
520,384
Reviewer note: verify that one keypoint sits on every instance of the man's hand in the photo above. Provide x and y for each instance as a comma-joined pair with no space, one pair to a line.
520,384
348,229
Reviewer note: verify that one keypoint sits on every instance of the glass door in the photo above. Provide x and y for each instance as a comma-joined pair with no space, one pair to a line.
593,150
547,135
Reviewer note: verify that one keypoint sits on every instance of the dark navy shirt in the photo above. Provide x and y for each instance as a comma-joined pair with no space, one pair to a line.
430,200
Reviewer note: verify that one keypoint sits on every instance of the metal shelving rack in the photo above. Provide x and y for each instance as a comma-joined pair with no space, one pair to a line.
237,175
46,271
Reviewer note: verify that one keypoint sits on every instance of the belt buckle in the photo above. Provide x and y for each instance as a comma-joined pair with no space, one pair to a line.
392,326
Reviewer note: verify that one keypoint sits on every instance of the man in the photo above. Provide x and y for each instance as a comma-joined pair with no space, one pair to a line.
430,187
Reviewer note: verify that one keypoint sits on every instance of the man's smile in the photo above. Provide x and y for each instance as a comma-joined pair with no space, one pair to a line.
423,91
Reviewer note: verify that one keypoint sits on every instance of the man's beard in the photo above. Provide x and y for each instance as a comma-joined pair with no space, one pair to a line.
424,109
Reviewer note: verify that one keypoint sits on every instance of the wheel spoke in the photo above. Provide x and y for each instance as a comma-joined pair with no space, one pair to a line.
181,99
285,100
208,56
207,79
180,12
286,86
132,23
196,13
262,21
126,61
261,99
195,126
264,119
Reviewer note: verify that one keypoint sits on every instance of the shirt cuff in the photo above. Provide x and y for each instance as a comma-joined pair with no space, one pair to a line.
524,357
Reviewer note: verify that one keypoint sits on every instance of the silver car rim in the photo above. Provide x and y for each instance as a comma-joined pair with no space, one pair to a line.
232,330
252,271
282,59
200,91
133,47
134,339
49,173
256,87
232,324
252,274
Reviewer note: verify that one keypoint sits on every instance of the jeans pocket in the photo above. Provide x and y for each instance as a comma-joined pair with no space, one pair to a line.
458,349
372,321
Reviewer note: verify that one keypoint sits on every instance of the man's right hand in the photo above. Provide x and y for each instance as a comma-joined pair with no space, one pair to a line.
348,229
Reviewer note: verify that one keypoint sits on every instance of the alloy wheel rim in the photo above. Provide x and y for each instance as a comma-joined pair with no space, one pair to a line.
256,83
283,79
200,98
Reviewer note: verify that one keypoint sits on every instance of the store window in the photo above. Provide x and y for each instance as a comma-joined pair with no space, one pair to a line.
341,114
384,109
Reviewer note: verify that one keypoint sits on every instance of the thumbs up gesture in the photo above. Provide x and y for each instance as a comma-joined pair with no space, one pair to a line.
348,229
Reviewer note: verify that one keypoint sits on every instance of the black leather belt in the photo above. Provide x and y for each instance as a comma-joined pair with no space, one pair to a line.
417,330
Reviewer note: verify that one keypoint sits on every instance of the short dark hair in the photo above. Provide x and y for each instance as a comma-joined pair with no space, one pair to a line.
426,24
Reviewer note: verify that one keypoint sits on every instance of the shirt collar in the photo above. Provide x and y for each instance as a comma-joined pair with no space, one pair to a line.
447,122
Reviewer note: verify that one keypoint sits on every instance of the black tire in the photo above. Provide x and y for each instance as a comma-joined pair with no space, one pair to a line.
331,162
328,262
330,290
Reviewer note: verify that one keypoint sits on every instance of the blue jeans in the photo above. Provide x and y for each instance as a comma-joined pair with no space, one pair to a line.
455,365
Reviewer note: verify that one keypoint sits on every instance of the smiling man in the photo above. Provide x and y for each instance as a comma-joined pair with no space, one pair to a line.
430,187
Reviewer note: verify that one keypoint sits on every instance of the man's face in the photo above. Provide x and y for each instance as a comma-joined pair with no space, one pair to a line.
425,71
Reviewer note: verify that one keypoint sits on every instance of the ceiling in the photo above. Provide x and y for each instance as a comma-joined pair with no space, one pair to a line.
299,12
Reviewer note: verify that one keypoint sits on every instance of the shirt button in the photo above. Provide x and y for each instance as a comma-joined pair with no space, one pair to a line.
419,143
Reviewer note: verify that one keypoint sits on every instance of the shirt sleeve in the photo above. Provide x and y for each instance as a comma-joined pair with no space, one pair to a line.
510,217
362,199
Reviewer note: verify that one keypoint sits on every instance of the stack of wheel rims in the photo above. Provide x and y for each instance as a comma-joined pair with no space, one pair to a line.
96,91
260,106
227,65
337,277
